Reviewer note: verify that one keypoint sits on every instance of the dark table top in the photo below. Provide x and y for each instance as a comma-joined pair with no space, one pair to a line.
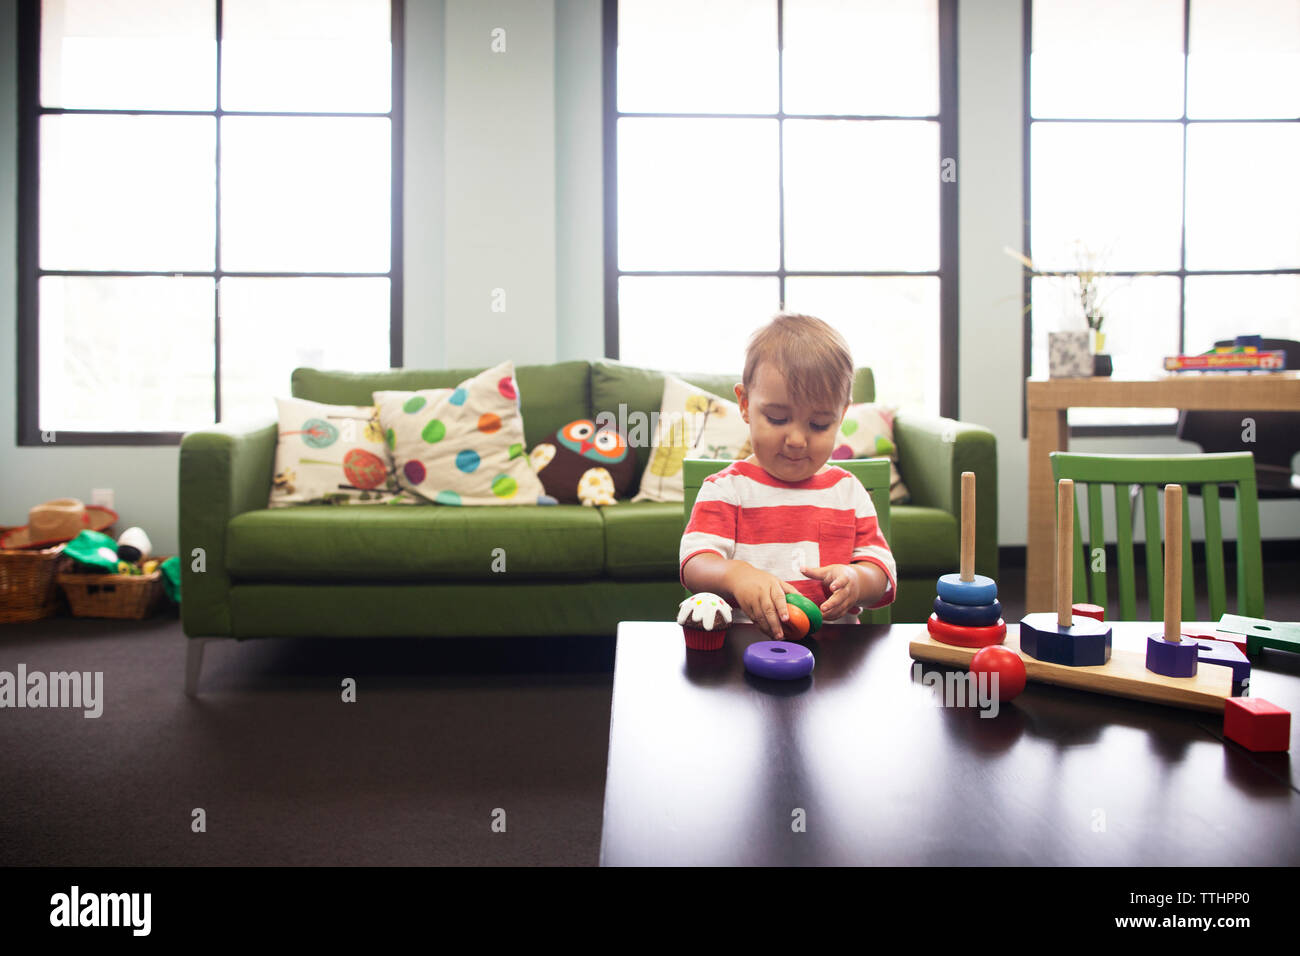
709,765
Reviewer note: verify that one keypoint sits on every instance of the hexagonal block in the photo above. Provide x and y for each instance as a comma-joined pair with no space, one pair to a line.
1172,659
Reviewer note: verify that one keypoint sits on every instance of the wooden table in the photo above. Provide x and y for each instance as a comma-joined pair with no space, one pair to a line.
1049,401
711,766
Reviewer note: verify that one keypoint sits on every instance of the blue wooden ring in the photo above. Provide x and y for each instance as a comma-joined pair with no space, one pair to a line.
973,593
967,615
779,660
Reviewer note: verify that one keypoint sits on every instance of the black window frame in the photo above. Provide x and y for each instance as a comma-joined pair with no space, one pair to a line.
30,112
947,118
1181,273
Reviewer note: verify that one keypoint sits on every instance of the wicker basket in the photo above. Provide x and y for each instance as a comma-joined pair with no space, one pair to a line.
28,586
131,596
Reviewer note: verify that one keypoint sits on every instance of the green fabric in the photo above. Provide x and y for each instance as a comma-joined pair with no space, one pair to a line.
418,542
469,609
932,454
93,549
550,396
925,539
225,470
618,390
171,577
642,539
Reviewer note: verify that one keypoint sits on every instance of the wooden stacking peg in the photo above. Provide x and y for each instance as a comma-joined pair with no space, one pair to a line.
1167,653
966,587
1060,638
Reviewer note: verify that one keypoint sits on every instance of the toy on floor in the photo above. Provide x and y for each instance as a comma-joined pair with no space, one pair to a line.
805,617
967,612
778,660
1060,638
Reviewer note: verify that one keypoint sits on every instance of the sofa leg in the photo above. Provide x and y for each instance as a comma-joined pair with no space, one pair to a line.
193,664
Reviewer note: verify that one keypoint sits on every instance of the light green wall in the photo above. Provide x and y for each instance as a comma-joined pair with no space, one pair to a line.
503,189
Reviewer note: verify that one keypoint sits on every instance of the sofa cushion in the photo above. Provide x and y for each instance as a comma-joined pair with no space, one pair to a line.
331,454
416,543
927,538
642,539
549,395
462,445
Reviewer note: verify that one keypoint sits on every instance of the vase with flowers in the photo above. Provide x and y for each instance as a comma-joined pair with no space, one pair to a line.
1087,289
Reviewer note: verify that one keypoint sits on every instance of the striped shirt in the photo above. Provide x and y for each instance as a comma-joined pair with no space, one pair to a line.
745,514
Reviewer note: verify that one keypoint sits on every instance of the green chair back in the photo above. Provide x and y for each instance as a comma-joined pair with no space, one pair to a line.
872,472
1151,473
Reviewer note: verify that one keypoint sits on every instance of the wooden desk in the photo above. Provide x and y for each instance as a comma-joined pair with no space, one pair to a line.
1049,401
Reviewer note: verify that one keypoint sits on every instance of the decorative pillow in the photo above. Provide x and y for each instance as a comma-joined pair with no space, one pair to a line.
462,445
582,462
693,423
868,432
331,454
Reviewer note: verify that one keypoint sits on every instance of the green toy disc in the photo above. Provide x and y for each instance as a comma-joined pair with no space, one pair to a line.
808,607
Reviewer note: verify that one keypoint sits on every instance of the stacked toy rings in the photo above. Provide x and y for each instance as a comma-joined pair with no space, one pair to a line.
967,612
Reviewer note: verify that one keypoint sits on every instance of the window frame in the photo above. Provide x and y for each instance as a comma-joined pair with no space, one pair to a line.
29,272
947,119
1181,273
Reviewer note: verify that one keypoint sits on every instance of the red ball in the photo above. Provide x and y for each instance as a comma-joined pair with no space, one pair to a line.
1006,663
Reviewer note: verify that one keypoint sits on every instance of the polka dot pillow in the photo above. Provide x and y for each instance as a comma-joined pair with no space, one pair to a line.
868,432
462,445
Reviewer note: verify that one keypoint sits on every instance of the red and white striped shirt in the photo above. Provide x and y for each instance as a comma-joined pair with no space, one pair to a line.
745,514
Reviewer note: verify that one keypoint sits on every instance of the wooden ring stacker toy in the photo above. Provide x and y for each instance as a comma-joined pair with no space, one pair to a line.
1060,638
1168,653
805,617
778,660
965,615
967,587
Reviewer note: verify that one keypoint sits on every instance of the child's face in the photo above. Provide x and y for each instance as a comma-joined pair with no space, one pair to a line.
790,442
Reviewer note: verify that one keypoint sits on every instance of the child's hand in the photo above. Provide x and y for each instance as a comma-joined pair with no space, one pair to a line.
844,586
762,597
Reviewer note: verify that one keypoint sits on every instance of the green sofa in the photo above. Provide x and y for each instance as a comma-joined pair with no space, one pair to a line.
251,571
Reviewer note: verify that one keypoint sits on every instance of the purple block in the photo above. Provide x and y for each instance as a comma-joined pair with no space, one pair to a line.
1170,659
1225,653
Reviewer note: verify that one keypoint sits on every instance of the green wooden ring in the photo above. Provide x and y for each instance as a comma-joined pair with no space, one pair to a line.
808,607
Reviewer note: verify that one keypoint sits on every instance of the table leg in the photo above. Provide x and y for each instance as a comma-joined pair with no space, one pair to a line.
1048,432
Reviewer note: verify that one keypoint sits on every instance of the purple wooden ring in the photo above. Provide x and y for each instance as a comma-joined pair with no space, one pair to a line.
779,660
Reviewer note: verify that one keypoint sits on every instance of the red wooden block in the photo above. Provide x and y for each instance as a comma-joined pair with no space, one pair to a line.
1094,611
1212,635
1256,724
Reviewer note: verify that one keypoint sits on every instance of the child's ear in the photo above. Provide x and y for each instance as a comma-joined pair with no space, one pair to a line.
743,400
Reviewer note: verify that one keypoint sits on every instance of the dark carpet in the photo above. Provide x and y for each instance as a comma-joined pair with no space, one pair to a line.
445,737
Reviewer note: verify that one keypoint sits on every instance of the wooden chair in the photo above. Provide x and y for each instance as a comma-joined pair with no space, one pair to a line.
1151,473
872,472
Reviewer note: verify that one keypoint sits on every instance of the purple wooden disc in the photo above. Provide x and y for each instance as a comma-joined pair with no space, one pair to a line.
779,660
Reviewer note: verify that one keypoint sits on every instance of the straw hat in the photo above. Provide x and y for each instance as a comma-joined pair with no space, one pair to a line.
56,521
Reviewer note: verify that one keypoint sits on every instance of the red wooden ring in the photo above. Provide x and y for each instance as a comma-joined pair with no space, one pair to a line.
959,636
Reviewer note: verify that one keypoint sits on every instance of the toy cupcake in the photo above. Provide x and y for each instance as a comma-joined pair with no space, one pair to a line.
704,619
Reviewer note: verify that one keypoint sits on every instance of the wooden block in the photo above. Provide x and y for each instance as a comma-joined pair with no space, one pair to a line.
1094,611
1124,675
1260,633
1225,653
1203,634
1257,724
1178,658
1084,643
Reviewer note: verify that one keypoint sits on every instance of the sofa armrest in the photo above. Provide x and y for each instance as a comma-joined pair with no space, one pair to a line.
225,470
932,454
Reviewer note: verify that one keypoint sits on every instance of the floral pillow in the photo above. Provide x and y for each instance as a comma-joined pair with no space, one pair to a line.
462,445
868,432
331,454
693,423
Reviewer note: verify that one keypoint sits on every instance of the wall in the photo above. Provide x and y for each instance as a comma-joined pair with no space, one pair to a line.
503,190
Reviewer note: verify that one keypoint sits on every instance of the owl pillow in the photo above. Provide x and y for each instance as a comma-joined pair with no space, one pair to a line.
584,462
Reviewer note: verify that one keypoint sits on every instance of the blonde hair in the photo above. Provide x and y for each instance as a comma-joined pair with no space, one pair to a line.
813,357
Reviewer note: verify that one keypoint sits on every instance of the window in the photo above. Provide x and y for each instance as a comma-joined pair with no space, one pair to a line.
209,199
1161,141
790,153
